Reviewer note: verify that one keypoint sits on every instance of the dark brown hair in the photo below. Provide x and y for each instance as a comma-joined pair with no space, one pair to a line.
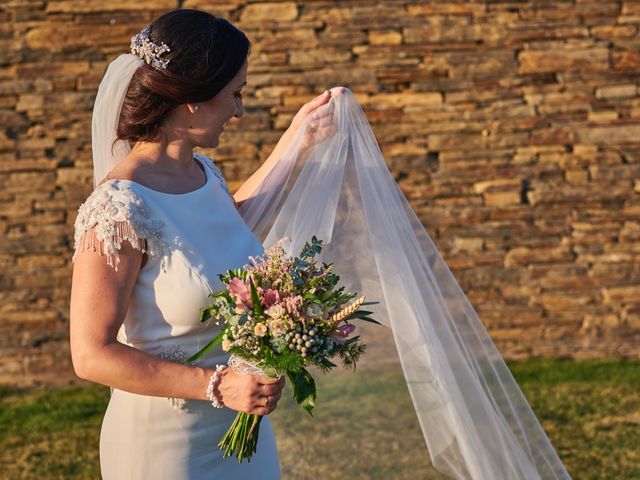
206,53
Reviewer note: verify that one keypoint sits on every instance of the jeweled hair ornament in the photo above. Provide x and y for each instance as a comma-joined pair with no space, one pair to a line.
150,52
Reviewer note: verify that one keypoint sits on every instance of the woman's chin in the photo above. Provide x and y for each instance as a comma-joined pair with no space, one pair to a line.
214,142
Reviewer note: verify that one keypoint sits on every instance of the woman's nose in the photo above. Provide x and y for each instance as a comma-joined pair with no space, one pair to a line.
239,111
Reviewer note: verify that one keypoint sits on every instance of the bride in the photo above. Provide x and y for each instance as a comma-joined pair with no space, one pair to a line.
161,225
149,243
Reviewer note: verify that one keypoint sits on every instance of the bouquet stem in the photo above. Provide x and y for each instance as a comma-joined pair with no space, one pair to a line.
241,440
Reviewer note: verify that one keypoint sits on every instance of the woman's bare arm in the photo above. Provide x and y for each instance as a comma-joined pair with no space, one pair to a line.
100,297
250,185
323,121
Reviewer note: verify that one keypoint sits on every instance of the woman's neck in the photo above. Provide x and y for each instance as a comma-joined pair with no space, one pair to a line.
170,155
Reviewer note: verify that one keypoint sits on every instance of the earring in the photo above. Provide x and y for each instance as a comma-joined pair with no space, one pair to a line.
196,107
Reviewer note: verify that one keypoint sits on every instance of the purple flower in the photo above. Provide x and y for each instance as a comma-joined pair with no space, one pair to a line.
342,332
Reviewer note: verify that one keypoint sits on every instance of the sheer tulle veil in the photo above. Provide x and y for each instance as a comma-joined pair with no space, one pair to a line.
106,149
474,417
476,422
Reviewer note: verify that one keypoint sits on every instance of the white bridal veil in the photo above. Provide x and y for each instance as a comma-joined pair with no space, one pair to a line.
106,113
475,420
474,417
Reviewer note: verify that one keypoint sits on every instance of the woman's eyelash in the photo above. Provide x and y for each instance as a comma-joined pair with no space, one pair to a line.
238,94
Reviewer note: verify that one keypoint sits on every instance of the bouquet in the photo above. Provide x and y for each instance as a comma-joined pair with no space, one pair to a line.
281,315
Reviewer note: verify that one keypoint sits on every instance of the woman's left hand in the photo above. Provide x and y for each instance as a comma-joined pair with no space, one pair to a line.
321,123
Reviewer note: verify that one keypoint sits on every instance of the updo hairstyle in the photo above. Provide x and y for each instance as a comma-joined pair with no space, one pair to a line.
206,53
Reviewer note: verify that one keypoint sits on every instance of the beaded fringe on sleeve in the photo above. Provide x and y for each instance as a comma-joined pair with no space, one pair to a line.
112,214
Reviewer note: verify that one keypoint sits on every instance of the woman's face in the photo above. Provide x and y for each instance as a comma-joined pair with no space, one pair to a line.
207,123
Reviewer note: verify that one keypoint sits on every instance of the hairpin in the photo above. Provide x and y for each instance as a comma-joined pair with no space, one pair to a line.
143,47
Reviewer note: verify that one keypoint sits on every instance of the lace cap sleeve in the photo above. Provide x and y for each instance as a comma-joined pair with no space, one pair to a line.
112,214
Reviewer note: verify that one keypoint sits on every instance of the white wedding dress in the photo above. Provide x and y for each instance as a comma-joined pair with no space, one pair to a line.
190,238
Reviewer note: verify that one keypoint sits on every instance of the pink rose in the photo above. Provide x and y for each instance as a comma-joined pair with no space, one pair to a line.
270,297
343,331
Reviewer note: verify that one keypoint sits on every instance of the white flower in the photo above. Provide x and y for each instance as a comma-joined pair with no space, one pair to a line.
277,327
226,344
260,330
276,311
314,310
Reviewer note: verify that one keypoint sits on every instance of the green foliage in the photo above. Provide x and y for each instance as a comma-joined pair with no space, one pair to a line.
255,299
207,348
311,297
286,361
231,274
351,351
362,315
325,365
205,314
310,250
218,299
304,389
337,297
305,261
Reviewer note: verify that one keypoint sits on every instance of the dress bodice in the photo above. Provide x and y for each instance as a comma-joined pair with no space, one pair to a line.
189,238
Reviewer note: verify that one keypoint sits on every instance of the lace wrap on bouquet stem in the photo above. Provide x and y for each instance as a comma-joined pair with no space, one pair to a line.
476,422
244,367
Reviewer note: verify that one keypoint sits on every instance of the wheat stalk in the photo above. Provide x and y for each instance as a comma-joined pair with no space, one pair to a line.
347,311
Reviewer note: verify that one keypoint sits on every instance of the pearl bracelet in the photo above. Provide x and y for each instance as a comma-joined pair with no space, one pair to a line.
211,393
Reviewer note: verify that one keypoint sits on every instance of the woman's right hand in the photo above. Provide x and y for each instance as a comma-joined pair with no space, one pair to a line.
255,394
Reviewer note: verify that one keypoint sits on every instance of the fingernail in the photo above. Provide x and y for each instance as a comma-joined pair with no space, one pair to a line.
325,92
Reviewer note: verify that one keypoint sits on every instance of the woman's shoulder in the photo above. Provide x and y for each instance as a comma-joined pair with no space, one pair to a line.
116,199
213,168
115,211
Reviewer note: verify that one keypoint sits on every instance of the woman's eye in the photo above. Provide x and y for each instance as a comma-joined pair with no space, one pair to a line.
239,94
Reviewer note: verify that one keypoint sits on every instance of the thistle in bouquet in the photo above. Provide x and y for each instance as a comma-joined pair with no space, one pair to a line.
279,316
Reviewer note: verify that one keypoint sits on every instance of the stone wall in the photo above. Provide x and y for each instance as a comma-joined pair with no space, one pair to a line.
511,126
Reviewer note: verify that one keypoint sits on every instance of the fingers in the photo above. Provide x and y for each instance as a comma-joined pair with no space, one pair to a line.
321,120
265,380
266,398
257,394
322,117
323,97
324,110
269,390
265,404
276,398
316,102
337,91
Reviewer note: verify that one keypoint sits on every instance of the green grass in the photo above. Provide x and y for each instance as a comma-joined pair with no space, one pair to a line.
364,426
51,433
